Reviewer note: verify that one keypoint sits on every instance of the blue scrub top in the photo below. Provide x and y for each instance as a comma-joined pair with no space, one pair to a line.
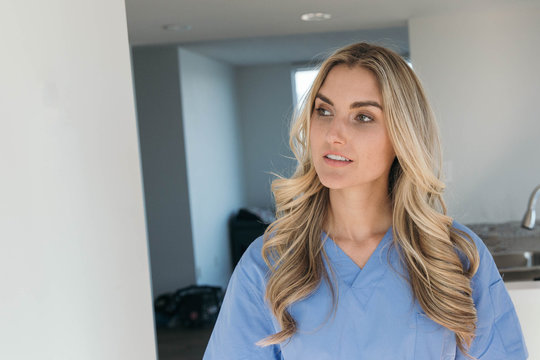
376,315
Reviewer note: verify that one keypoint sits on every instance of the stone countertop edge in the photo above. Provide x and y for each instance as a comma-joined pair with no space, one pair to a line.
508,237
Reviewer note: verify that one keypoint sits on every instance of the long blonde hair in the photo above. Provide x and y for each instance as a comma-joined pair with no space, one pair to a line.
428,244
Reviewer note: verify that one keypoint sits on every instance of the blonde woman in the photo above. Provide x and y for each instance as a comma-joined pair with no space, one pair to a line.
362,261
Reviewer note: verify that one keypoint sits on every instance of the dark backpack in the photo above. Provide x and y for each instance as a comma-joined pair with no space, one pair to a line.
192,306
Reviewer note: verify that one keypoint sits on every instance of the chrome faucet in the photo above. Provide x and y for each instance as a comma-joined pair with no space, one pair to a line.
530,215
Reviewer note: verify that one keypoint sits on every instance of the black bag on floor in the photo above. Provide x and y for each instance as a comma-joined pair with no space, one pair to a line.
192,306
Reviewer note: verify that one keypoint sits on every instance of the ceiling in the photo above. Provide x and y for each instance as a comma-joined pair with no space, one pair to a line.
212,20
302,49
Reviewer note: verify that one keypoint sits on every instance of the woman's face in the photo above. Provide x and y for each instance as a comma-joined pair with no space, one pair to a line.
349,142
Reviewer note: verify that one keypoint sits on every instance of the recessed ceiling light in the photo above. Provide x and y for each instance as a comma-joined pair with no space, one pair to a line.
315,16
177,27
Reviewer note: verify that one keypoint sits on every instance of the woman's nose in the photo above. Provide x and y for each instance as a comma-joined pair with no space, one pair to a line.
336,133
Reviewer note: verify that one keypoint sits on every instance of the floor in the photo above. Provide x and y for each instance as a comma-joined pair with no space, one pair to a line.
182,344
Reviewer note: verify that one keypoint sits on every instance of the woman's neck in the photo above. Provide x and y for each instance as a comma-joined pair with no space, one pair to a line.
358,214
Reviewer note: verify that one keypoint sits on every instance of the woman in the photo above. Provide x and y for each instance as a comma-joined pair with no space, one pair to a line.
362,261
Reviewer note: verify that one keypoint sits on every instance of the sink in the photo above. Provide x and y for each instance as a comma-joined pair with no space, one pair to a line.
519,259
519,266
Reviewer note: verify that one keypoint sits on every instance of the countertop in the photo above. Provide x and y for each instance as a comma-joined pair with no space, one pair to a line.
508,237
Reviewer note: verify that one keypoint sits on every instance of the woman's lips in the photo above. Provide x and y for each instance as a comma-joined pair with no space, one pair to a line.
336,160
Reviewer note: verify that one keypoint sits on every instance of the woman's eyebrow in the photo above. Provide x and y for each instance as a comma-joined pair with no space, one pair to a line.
324,98
354,105
358,104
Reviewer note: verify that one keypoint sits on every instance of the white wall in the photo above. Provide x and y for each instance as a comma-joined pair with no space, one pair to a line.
526,298
265,104
481,72
213,161
159,113
74,259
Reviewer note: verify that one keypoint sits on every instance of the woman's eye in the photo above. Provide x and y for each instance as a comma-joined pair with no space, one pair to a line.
323,112
364,118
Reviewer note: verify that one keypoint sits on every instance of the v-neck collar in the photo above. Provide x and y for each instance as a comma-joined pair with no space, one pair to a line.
349,272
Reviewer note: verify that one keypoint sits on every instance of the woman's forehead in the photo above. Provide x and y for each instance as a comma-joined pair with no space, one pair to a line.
348,84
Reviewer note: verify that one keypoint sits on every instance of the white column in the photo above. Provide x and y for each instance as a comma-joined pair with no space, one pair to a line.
75,280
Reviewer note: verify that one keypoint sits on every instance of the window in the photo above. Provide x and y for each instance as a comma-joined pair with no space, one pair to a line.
302,80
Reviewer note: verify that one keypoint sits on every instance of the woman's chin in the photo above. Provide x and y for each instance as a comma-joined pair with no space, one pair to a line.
333,184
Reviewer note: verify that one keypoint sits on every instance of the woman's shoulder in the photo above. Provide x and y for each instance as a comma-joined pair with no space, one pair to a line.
480,245
494,308
459,226
487,267
252,265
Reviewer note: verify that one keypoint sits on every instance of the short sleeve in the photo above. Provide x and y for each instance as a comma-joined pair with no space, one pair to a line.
244,318
498,332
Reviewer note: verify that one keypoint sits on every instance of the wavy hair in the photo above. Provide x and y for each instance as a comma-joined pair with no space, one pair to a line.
428,245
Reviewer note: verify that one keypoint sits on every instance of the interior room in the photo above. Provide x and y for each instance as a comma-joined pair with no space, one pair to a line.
250,80
141,139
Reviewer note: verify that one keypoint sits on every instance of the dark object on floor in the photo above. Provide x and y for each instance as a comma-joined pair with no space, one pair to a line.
190,307
164,309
